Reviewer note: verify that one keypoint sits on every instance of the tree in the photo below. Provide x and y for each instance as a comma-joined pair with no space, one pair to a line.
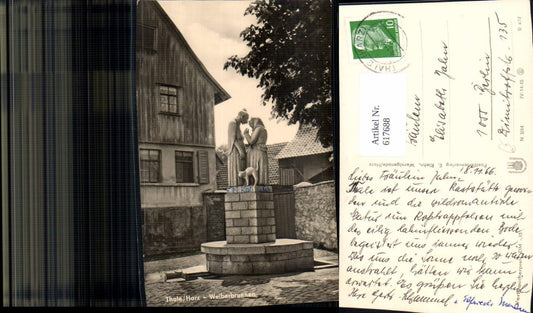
291,57
222,151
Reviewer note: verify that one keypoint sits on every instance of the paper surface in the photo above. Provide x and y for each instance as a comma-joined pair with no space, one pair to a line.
435,181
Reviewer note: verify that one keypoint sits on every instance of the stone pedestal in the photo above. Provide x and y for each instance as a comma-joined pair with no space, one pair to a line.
250,215
251,246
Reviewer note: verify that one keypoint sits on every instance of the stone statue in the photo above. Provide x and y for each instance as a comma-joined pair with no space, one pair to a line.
247,173
257,155
236,149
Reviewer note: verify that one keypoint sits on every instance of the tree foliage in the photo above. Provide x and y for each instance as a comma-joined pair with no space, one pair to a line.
290,55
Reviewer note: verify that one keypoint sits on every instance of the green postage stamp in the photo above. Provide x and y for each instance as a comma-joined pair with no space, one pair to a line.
373,39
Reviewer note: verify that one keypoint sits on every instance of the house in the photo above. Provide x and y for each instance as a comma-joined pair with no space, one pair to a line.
304,159
176,96
273,164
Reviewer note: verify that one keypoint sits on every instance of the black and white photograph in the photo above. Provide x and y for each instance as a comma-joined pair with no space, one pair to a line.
267,154
235,133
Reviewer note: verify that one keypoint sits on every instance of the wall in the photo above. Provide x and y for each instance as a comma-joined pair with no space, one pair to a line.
174,217
169,193
316,217
216,219
173,229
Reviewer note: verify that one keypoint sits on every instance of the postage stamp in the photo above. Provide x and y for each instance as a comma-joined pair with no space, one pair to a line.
375,39
379,42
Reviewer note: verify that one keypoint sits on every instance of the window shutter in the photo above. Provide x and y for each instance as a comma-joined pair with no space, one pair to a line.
203,166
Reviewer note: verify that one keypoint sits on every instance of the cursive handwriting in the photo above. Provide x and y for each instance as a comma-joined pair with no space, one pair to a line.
428,235
440,127
502,28
395,175
515,306
443,63
414,119
473,301
485,87
506,95
483,118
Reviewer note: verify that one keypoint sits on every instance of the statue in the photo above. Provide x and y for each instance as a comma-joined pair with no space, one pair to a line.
257,155
247,173
236,149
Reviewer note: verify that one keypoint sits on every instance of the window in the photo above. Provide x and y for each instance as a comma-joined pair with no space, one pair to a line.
146,37
150,165
184,167
168,99
189,164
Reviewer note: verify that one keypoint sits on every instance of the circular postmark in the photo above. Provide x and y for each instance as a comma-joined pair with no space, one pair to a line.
379,42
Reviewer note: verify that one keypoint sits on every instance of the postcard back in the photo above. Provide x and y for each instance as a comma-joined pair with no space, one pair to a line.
435,156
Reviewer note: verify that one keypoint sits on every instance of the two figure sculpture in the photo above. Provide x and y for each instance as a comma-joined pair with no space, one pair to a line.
243,164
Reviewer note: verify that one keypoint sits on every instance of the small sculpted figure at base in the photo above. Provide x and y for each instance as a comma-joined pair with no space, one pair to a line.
249,171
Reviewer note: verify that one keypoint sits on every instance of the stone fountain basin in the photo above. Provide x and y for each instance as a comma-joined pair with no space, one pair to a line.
281,256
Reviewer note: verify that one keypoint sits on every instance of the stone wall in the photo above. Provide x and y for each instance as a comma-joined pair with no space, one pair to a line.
214,208
316,217
282,256
173,229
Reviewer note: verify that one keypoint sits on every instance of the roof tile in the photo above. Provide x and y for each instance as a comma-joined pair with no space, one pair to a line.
304,143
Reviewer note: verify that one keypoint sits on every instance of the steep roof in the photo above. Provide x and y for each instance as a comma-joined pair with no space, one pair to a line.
304,143
221,95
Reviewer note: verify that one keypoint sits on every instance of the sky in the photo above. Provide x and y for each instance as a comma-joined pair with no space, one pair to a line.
212,30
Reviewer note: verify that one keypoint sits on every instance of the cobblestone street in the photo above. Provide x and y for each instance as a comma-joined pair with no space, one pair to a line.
307,287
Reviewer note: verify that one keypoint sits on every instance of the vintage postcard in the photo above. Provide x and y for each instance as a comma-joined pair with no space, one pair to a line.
436,138
236,158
